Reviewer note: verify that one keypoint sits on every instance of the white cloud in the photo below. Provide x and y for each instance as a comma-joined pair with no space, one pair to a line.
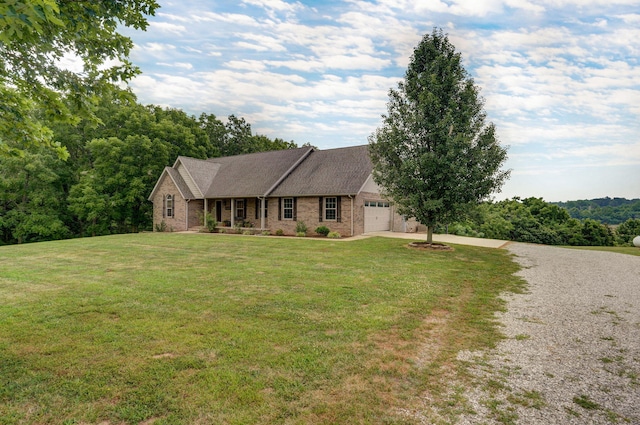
182,65
167,27
275,5
250,65
231,18
631,18
559,76
262,42
478,8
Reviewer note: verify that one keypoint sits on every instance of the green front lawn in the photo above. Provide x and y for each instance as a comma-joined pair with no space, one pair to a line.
629,250
223,329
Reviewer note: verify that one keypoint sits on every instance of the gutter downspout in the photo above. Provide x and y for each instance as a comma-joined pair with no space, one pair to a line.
351,198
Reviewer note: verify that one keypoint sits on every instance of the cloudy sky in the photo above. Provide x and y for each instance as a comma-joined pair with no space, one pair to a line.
561,78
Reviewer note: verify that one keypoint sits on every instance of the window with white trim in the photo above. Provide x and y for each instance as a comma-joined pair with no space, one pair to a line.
330,208
287,208
240,208
169,206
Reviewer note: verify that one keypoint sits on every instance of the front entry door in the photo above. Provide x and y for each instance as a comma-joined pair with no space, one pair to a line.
218,211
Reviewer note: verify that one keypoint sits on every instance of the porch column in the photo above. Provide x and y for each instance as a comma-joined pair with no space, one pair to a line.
262,205
206,208
233,212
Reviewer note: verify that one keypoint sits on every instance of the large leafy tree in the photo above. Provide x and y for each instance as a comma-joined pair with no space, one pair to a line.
31,201
435,155
35,35
112,196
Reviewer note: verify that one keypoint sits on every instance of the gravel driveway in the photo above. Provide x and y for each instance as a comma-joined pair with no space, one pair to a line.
572,353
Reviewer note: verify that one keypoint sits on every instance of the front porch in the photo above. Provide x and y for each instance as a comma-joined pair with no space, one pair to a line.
235,213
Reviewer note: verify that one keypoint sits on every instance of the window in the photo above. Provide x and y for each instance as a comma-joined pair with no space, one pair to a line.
240,208
376,204
330,208
168,204
287,208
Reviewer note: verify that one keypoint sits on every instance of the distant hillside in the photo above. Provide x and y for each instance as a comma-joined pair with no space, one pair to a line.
606,210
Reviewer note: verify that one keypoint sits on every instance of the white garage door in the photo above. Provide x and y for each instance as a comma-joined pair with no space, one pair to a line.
377,215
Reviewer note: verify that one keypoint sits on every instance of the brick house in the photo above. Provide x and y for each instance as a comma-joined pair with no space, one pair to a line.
275,190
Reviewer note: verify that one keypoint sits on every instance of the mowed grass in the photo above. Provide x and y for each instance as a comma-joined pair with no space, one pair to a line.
629,250
223,329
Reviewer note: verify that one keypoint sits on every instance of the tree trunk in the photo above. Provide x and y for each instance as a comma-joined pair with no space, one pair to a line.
429,234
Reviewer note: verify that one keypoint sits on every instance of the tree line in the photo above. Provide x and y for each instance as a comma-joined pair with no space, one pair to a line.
606,210
535,221
110,168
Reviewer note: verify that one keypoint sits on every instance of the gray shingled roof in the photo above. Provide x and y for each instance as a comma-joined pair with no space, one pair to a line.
340,171
252,175
182,186
292,172
202,171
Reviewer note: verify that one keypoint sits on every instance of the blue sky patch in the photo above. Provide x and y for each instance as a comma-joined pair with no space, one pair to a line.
560,79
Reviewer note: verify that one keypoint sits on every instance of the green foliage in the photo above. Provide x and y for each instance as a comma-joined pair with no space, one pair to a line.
334,235
434,155
31,201
20,127
113,160
585,402
161,227
322,230
301,234
595,233
211,223
301,227
606,210
124,172
113,167
279,232
627,231
90,205
235,137
531,220
36,34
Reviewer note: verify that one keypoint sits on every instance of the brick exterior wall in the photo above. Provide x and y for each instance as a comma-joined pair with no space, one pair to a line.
196,206
178,221
307,210
399,224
